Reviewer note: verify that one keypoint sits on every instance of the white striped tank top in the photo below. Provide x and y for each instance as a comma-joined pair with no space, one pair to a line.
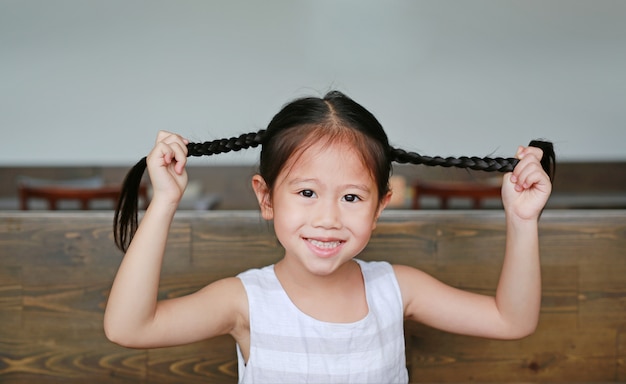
288,346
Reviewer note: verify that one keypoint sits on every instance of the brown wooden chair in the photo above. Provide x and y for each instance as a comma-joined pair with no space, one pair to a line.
445,190
85,193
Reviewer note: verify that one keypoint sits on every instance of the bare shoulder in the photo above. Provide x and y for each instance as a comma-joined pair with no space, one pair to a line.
410,280
229,295
410,275
231,287
421,292
232,290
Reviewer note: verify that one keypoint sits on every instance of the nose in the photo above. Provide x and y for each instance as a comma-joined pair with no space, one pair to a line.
326,214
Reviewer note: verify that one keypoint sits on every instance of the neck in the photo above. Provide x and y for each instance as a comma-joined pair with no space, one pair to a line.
339,297
292,275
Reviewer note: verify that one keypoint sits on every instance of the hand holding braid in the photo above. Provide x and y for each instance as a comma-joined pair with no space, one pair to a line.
125,222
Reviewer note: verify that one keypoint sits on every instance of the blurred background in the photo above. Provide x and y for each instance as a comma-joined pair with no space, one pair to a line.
86,85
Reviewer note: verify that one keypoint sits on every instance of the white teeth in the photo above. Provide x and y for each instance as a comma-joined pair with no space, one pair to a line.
325,244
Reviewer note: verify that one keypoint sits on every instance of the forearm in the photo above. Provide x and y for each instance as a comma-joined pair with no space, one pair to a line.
518,297
133,297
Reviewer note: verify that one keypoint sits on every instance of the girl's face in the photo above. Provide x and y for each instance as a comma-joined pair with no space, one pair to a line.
324,205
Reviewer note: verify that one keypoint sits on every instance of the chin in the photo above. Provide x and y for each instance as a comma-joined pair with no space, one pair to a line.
325,267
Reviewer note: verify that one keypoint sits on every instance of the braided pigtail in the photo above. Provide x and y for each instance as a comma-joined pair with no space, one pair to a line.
208,148
497,164
125,221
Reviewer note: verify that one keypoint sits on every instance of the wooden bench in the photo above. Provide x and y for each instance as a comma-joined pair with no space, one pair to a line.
56,269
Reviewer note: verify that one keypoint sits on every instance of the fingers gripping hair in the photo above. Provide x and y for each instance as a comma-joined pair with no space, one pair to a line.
126,214
125,221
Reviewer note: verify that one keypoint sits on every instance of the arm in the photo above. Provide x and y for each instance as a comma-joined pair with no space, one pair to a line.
133,317
514,311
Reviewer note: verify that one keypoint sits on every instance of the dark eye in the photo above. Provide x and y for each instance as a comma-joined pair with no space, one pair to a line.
351,198
307,193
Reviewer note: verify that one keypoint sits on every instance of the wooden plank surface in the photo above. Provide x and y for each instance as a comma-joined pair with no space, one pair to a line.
56,271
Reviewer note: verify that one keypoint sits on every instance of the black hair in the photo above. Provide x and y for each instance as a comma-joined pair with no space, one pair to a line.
335,116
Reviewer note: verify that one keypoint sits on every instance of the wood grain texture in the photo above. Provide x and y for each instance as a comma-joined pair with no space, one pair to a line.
57,268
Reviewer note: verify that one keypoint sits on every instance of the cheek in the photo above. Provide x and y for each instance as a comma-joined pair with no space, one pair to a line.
362,221
286,217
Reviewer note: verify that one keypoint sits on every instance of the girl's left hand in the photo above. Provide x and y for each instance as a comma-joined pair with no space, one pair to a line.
526,190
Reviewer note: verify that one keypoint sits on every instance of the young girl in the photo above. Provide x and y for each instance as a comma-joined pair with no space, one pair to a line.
320,314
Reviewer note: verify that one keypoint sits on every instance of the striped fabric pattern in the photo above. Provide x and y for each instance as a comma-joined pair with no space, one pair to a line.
288,346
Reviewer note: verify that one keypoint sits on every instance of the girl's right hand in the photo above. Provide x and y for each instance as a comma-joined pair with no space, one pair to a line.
166,166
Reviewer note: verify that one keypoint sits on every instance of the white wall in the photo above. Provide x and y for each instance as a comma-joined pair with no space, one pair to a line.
86,82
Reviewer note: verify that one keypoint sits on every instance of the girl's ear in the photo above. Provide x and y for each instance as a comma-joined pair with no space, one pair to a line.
263,196
381,207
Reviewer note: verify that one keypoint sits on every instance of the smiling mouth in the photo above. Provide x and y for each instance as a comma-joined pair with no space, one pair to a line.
325,244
